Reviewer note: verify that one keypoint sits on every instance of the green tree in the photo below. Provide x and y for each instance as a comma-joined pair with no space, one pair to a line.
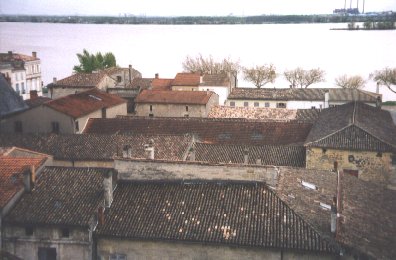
260,75
91,62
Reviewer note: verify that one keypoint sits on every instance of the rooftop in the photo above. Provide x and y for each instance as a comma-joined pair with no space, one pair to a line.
81,80
84,103
161,84
174,97
141,83
12,57
61,196
215,80
37,101
187,79
10,101
229,213
355,126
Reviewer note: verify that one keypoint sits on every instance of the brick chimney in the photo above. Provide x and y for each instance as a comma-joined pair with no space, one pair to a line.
108,188
156,75
33,94
149,149
34,54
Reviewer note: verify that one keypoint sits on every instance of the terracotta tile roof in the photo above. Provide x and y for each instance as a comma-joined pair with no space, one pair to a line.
81,80
98,147
369,210
141,83
161,84
186,79
61,196
229,213
174,97
10,101
221,80
293,156
11,175
38,101
354,126
317,94
84,103
267,114
6,57
212,130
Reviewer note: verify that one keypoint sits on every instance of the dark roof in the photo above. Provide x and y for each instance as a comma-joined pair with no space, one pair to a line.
354,126
284,94
12,57
187,79
81,80
213,130
221,80
84,103
267,114
10,101
269,155
369,209
61,196
141,83
37,101
174,97
99,147
242,214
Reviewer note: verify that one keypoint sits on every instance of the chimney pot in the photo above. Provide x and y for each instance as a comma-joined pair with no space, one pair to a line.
34,54
108,188
246,156
377,90
149,148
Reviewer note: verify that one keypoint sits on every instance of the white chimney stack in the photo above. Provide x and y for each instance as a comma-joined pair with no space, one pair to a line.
246,156
108,188
326,102
149,148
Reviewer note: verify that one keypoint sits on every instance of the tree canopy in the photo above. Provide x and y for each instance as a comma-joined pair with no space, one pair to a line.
207,65
386,77
260,75
304,78
92,62
355,82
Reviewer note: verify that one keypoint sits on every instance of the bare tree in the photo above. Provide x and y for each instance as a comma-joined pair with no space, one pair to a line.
386,76
207,65
260,75
303,78
356,82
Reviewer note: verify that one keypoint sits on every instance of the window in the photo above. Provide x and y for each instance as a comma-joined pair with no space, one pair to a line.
77,126
17,76
46,253
313,107
151,115
17,87
29,231
280,105
245,104
267,104
151,108
186,108
55,127
65,232
232,104
104,112
256,104
23,87
18,127
118,78
117,256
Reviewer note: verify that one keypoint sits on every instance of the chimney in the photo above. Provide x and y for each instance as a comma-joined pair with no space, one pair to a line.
28,180
34,54
54,80
378,103
108,188
149,148
130,73
156,75
33,94
246,156
201,79
326,102
192,154
258,161
333,216
377,90
101,219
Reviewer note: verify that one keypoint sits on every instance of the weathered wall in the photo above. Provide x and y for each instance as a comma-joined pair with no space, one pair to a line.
107,82
185,88
77,246
114,111
178,250
170,110
159,170
222,92
100,164
240,103
370,166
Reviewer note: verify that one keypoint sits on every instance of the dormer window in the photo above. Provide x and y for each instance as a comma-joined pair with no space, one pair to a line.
118,79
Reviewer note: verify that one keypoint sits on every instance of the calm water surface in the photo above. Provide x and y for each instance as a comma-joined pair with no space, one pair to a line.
162,48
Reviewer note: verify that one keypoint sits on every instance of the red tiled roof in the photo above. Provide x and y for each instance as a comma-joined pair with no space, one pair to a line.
161,84
11,175
35,102
141,83
174,97
84,103
186,79
81,80
6,57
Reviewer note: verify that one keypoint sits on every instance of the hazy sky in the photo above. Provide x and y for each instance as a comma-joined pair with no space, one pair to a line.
184,7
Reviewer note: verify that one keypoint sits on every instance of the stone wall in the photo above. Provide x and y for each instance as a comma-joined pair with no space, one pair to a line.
372,166
92,164
151,250
170,110
160,170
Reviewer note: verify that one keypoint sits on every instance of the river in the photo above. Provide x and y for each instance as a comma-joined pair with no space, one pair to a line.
162,48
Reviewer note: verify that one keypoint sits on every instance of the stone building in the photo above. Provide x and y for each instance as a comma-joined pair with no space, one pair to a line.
24,72
205,220
123,76
157,103
68,114
359,137
80,82
56,218
295,98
